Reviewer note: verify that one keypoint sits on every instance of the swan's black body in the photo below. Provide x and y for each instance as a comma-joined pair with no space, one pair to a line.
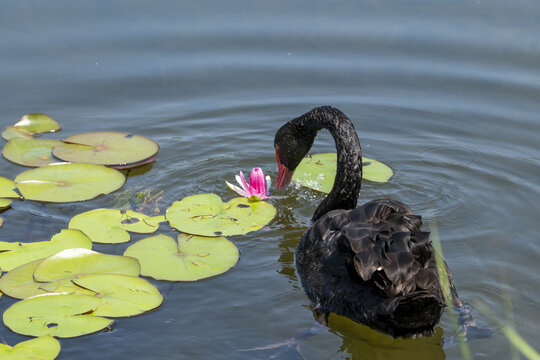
373,263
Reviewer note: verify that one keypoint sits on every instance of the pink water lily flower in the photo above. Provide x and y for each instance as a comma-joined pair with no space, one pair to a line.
258,186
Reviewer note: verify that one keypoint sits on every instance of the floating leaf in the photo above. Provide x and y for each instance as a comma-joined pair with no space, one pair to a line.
69,263
14,254
318,171
42,348
68,182
7,189
37,123
60,315
13,132
191,258
30,152
207,215
135,164
121,295
106,148
109,225
19,283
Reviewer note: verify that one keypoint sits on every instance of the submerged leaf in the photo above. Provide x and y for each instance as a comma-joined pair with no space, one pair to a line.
191,258
318,171
207,215
68,182
30,152
60,315
41,348
15,254
106,148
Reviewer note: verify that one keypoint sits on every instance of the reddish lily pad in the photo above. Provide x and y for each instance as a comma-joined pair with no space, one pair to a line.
106,148
66,182
30,152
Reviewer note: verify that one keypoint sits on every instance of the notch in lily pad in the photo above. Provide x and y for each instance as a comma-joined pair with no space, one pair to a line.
67,182
30,124
190,258
108,148
208,215
318,171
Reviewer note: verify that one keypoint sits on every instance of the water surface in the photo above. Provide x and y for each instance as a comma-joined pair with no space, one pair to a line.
447,93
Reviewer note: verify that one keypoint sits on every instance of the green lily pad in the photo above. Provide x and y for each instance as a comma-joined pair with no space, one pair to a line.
121,295
110,226
19,283
106,148
207,215
7,192
41,348
60,315
37,123
191,258
30,152
318,171
14,254
70,263
13,132
66,182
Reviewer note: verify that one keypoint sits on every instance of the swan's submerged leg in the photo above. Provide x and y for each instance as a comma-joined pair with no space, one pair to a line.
291,344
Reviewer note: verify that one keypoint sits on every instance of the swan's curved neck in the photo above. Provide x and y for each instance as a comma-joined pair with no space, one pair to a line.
346,189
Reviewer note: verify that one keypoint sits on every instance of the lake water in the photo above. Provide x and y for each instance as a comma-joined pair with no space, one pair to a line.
445,92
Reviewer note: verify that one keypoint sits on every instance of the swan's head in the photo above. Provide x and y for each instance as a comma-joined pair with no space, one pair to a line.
292,143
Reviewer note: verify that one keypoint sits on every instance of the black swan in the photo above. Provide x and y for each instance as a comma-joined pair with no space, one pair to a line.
373,263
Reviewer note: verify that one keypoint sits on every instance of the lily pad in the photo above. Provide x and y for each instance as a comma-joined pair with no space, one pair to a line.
110,225
60,315
66,182
20,284
13,132
14,254
106,148
7,192
41,348
207,215
191,258
70,263
121,295
37,123
318,171
30,152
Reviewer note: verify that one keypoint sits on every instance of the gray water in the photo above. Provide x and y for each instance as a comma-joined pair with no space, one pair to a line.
445,92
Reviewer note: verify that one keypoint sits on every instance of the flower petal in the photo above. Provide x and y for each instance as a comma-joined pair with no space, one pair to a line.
242,181
237,189
268,183
257,181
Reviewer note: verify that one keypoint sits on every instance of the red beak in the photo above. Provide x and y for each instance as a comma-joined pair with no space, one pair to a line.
284,176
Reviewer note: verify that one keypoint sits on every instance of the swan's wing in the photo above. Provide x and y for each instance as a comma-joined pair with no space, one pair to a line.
388,247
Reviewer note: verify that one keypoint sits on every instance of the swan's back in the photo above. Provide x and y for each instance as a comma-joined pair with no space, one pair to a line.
373,264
